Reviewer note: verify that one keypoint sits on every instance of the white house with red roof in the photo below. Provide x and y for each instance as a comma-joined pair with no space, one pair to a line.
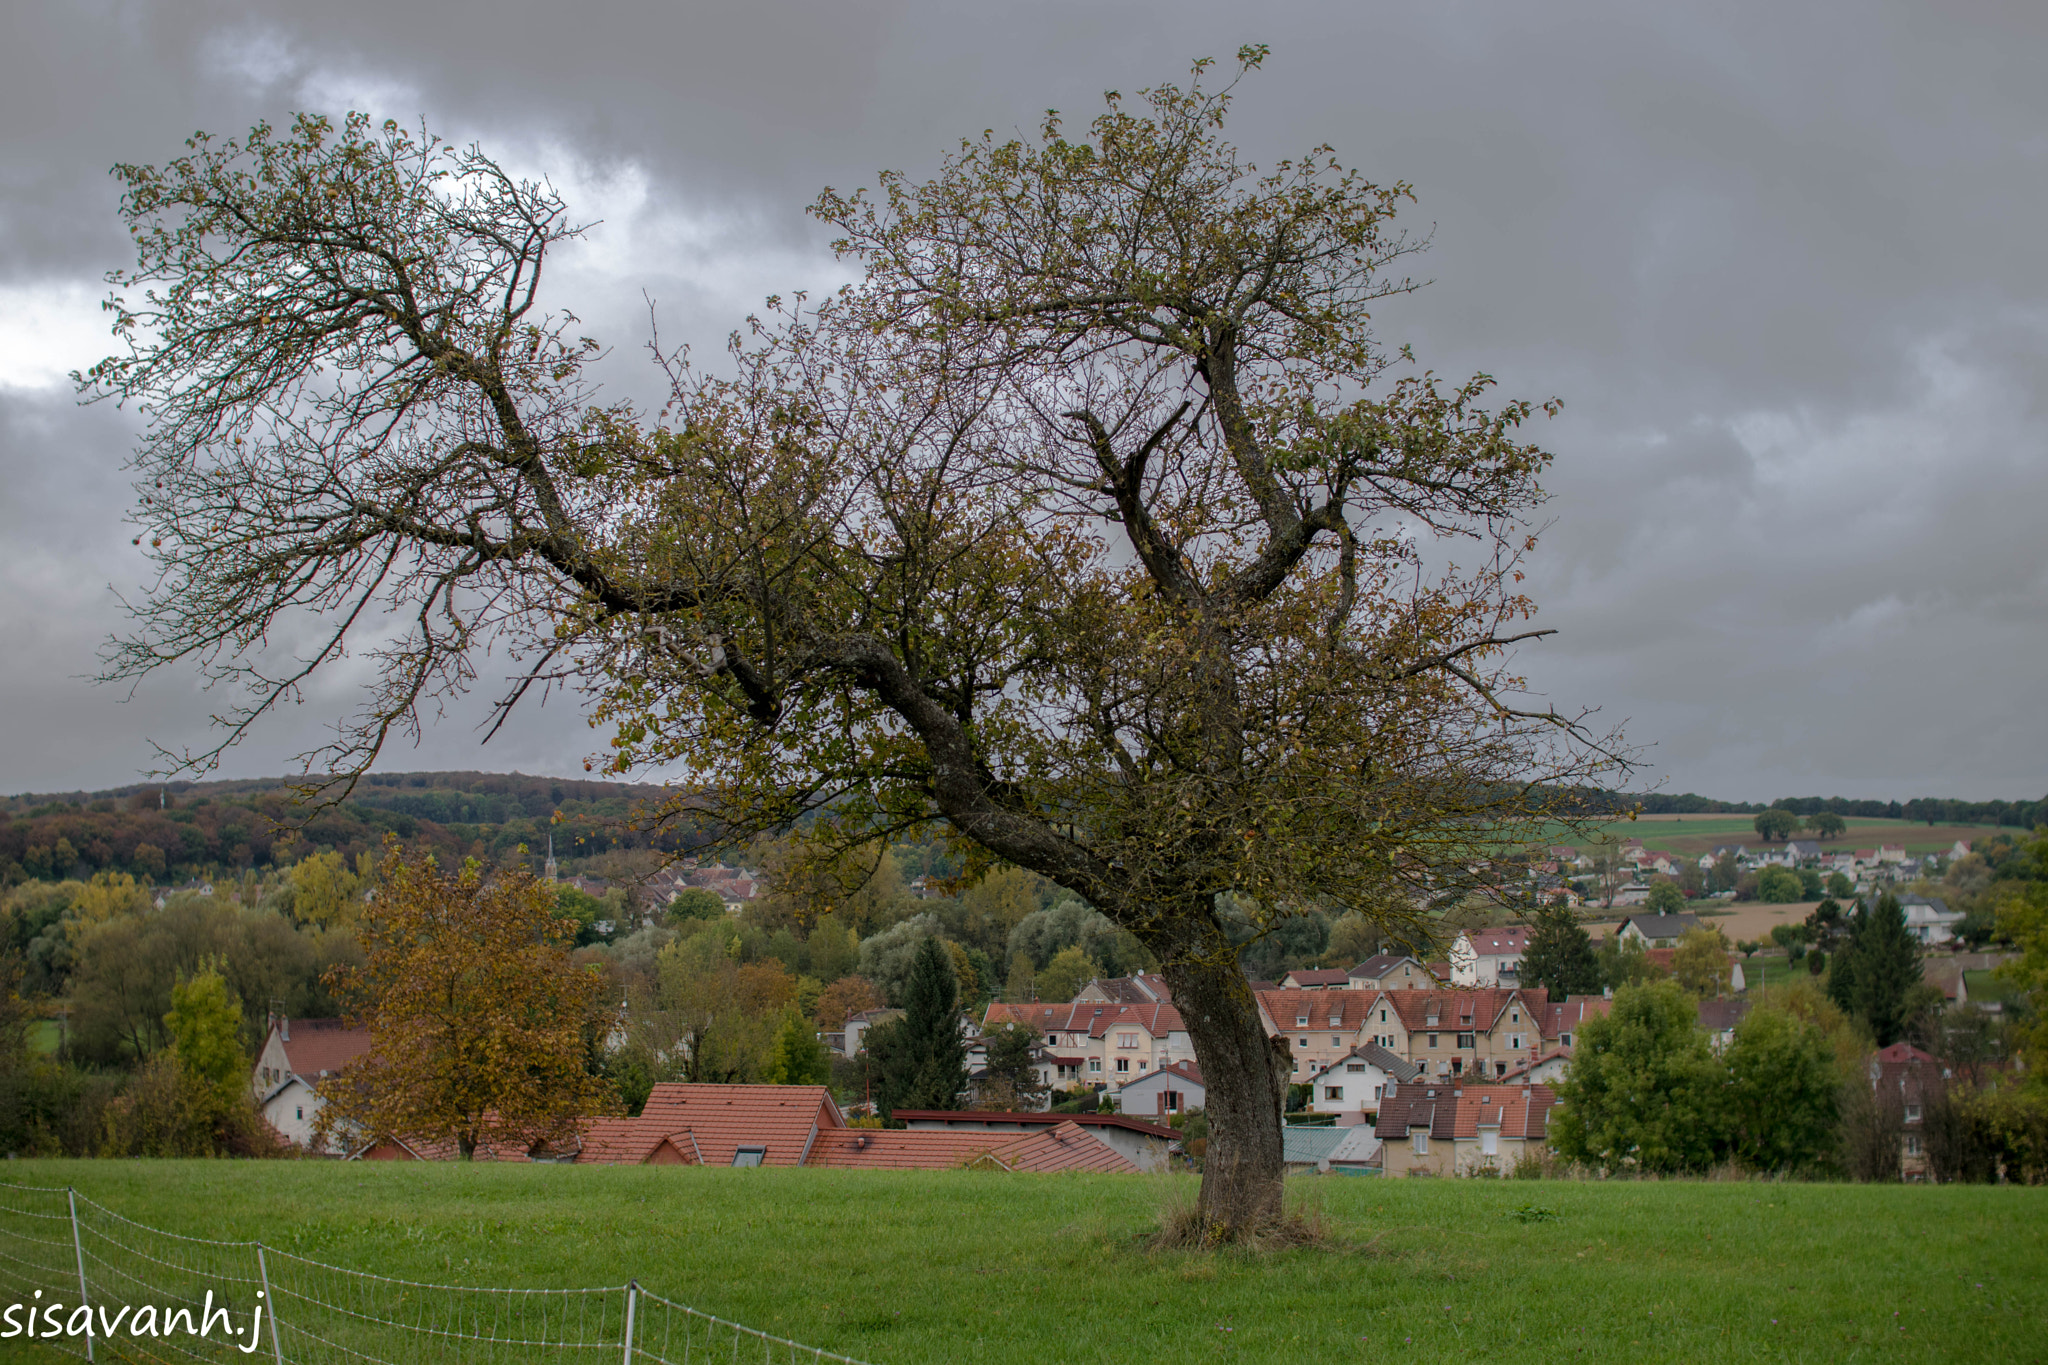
1484,956
297,1054
1171,1089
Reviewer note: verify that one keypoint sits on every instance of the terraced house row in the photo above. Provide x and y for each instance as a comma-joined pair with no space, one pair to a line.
1446,1032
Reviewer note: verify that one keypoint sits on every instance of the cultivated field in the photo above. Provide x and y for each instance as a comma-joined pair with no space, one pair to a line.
1742,920
1702,833
963,1267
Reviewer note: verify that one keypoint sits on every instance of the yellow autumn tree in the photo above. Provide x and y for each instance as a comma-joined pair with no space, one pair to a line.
477,1015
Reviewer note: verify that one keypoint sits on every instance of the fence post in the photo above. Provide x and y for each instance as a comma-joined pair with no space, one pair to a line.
263,1274
78,1250
632,1295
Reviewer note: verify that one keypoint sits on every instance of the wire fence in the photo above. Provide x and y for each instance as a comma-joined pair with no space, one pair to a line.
79,1279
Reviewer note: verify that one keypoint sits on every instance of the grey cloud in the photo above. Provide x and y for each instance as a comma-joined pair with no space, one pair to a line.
1781,262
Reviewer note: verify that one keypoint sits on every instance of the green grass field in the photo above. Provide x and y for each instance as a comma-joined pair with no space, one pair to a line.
917,1267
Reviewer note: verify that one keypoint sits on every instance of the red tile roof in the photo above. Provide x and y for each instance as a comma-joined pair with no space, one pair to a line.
1283,1008
320,1047
1335,976
967,1119
1454,1010
1453,1111
1063,1147
713,1121
1086,1016
1512,938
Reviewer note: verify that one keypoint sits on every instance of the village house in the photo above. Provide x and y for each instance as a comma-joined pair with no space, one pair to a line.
1438,1129
1146,988
297,1054
1390,972
1100,1044
1351,1086
1173,1089
1930,920
1907,1079
1656,931
1316,979
1485,956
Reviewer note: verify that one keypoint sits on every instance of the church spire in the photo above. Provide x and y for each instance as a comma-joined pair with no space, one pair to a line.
549,869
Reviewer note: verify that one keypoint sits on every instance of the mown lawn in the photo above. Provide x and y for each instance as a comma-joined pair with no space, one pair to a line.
960,1266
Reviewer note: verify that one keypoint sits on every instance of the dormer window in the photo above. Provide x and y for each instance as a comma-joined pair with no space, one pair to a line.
749,1156
1301,1021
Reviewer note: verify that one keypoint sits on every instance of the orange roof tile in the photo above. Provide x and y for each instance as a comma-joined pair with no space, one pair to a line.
1286,1008
320,1047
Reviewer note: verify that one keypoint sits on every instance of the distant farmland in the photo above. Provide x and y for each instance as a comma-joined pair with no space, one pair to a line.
1703,833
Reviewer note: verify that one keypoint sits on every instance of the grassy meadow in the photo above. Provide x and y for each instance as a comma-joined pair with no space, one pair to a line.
896,1268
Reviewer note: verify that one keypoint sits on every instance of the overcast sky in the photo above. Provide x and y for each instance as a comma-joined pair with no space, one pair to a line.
1783,264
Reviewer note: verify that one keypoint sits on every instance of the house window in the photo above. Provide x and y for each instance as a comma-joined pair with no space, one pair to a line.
1354,1066
1432,1040
302,1111
1095,1064
1123,1064
1514,1016
1051,1039
1465,1039
1127,1040
1515,1041
1141,1063
1419,1140
1489,1142
1566,1039
749,1156
1301,1021
1173,1101
1912,1144
1383,1016
1301,1041
1912,1113
1333,1092
1377,1093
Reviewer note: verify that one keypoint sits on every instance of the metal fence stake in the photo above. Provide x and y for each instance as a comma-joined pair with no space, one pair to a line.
632,1294
78,1250
263,1274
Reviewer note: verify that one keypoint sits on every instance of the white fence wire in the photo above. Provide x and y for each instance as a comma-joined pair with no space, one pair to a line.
144,1294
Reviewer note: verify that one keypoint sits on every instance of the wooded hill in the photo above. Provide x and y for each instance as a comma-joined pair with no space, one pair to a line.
176,830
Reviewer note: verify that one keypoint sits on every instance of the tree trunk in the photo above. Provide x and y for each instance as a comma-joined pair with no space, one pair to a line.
1245,1076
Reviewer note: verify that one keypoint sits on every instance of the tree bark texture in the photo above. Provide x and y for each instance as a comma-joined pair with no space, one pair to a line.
1245,1076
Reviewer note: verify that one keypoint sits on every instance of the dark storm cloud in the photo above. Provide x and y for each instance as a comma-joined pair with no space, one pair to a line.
1783,268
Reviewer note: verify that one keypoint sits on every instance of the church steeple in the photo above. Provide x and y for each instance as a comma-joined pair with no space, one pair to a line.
549,868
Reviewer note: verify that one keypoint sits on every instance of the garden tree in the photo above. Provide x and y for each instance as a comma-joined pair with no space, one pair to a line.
1560,956
204,1024
1826,824
1064,976
888,958
965,972
718,1015
844,998
1725,873
108,896
1092,526
798,1057
835,951
1875,972
1013,1083
1838,885
1021,987
1643,1092
1625,962
694,902
324,891
2022,917
476,1013
1811,886
1793,938
1779,886
1776,824
1665,898
1353,939
920,1060
1043,933
1782,1098
1700,962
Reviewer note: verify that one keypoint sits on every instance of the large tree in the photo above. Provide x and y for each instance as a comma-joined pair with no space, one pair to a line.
1643,1092
1560,958
1092,526
920,1059
477,1015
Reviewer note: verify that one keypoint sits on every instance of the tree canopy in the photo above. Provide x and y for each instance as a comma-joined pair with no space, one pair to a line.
1093,525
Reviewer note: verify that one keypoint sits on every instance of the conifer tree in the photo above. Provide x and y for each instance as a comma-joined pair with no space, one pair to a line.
1560,957
920,1061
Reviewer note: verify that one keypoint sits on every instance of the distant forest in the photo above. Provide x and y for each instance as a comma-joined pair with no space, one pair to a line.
174,831
1932,810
